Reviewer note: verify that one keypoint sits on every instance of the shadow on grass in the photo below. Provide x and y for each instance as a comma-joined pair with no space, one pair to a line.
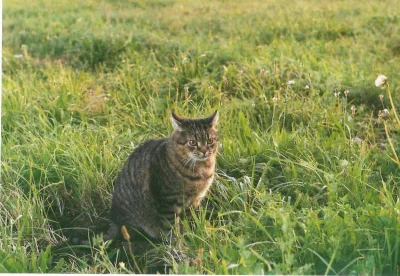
86,247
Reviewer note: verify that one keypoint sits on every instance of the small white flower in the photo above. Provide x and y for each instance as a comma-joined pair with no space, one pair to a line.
380,81
291,82
275,99
353,110
385,114
307,87
344,163
346,92
122,265
232,266
356,140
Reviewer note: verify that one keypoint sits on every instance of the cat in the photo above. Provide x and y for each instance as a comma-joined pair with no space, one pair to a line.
162,179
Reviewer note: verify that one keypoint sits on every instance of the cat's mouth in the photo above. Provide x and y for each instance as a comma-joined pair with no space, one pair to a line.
203,157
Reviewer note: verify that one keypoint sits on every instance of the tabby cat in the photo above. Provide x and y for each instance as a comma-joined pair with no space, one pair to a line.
163,178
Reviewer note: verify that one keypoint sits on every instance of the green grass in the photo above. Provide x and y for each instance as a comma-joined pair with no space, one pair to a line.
86,82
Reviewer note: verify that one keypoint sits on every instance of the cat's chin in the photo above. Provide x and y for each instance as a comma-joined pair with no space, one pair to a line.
202,159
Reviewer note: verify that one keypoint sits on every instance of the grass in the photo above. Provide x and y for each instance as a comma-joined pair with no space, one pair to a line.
303,187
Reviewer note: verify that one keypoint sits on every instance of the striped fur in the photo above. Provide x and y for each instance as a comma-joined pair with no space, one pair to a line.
163,178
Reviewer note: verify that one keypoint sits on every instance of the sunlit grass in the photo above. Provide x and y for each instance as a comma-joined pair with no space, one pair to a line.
307,178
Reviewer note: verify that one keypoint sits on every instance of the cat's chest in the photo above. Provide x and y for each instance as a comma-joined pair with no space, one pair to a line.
199,179
198,185
195,191
190,184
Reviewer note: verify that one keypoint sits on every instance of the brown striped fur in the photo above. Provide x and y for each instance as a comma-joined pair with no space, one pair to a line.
163,178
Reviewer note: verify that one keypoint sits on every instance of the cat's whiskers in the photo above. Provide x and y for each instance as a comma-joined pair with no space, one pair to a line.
194,160
185,161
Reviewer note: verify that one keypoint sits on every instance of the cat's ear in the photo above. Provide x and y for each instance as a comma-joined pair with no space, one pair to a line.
213,119
176,121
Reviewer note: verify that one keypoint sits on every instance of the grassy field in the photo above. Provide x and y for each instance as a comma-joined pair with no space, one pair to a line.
308,179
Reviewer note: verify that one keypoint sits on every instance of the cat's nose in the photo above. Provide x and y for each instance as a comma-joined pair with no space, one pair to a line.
203,149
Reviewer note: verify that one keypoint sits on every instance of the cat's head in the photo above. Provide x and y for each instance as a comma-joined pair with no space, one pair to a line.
195,138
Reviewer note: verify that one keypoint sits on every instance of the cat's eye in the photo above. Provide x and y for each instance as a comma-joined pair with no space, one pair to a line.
210,141
192,143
